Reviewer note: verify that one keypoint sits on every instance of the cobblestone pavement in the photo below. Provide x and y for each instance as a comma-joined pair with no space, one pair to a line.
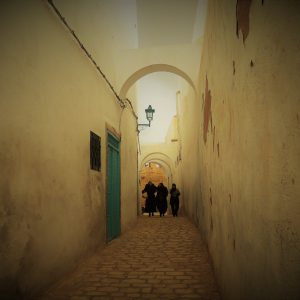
160,258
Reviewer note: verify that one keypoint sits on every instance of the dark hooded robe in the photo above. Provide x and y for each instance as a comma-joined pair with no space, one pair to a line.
161,199
150,205
174,200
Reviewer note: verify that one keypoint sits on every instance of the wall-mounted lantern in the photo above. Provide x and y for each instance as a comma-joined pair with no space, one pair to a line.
149,115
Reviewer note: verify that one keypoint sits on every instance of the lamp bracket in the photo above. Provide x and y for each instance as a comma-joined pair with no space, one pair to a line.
143,125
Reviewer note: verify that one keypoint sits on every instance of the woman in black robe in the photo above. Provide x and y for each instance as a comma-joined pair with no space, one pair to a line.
161,199
174,200
150,206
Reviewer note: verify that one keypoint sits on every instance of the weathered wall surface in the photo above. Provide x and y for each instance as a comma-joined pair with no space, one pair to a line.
52,206
247,191
129,167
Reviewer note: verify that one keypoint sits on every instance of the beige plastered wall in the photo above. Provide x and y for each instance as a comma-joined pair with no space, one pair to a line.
245,193
52,205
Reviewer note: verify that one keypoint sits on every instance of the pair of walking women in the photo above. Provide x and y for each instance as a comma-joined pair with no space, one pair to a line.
160,199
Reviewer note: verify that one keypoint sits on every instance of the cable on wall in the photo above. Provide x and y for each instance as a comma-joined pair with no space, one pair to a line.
131,107
121,102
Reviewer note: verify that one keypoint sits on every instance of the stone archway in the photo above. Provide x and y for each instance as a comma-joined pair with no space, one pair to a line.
160,157
152,69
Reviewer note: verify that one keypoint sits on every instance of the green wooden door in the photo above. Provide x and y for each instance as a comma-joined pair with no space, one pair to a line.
113,188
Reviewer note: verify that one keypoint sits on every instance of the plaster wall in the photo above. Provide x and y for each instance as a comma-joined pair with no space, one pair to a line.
175,38
246,189
52,206
118,34
184,57
107,27
129,164
188,107
172,133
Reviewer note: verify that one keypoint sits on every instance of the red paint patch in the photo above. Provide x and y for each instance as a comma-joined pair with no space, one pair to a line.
242,17
207,111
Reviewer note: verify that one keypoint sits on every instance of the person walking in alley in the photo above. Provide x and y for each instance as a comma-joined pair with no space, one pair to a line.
161,199
174,200
150,206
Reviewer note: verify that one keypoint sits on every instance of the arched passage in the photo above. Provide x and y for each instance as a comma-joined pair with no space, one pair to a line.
154,172
157,167
161,158
152,69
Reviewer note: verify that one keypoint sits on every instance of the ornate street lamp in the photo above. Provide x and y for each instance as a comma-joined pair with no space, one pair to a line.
149,115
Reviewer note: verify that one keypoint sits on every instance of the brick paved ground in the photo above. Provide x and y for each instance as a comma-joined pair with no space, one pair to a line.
161,258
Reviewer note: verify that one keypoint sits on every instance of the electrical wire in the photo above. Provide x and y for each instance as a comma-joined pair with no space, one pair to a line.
85,50
122,103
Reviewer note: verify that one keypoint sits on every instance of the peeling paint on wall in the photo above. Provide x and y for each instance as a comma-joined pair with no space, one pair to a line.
242,17
268,172
207,111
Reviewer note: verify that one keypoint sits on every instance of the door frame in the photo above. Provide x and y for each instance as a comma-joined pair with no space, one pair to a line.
112,131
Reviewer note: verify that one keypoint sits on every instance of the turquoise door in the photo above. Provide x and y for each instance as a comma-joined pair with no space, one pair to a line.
113,188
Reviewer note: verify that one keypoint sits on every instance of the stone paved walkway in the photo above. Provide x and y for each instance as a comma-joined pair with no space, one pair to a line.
161,258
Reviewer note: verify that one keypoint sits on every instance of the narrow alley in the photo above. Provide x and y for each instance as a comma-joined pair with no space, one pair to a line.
112,109
160,258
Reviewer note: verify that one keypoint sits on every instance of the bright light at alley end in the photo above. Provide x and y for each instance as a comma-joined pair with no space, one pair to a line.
149,115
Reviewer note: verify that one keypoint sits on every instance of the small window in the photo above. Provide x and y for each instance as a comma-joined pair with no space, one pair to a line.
95,151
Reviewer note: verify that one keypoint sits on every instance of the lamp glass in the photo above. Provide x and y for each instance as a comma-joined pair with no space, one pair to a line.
149,113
